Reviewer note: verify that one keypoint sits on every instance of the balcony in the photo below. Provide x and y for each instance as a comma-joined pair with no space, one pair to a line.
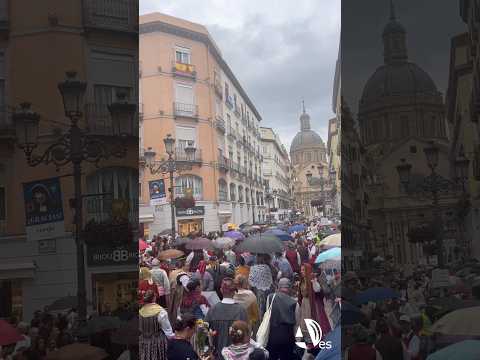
218,89
183,110
234,166
99,120
220,124
223,163
184,70
229,101
111,15
102,209
232,135
181,156
237,110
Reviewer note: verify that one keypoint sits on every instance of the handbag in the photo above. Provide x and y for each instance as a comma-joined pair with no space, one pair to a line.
264,329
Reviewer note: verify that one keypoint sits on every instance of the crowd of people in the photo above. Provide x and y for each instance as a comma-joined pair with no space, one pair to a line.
390,314
215,303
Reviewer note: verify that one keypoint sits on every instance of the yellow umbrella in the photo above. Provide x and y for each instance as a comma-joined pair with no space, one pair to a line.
334,240
229,226
464,322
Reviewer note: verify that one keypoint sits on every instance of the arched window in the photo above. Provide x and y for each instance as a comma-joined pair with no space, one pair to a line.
240,193
247,195
233,192
182,183
222,190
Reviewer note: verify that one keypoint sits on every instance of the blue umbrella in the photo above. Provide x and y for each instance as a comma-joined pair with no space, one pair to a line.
237,235
282,235
375,294
465,350
297,228
328,255
335,352
351,314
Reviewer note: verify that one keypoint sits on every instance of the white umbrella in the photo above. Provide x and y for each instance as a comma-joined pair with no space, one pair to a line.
223,242
332,240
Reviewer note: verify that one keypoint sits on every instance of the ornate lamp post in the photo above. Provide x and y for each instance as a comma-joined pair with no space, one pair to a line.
433,186
170,166
74,147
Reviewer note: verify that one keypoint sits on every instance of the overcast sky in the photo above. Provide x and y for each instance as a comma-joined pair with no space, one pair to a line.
281,51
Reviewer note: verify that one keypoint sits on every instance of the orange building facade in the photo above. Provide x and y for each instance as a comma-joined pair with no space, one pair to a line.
188,90
37,48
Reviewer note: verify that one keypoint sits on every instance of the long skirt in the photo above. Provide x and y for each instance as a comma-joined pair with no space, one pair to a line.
153,347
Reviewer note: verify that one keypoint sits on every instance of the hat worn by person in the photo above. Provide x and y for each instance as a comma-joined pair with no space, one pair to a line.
284,283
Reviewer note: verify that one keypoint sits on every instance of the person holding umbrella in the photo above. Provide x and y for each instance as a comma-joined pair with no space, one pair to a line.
261,280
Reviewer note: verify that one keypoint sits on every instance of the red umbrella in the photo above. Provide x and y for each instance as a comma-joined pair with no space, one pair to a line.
142,245
199,244
8,334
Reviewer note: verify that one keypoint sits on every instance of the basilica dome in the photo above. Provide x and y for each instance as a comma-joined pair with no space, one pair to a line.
307,141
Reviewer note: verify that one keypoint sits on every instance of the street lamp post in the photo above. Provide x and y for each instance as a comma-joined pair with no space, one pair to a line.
170,166
74,147
433,186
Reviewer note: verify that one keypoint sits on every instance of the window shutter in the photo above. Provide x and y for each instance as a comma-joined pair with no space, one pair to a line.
184,94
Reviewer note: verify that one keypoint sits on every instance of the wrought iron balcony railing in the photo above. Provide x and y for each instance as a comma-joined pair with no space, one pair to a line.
116,15
181,155
105,208
220,124
185,70
185,110
99,120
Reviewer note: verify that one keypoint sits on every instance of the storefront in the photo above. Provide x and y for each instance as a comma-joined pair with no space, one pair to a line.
190,220
112,275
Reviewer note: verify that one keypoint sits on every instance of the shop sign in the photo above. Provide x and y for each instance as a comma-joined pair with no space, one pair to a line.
43,209
48,246
193,211
108,256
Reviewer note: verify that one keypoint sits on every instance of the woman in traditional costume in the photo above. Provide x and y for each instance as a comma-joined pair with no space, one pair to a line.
155,329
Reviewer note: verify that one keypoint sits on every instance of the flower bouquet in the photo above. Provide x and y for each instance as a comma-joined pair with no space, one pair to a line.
203,340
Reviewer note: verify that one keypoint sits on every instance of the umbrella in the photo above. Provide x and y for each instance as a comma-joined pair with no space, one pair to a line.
236,235
332,240
375,294
328,255
165,232
64,303
351,314
170,254
128,333
465,350
8,334
180,241
260,244
465,322
334,352
297,228
142,245
199,244
78,351
102,323
223,242
282,235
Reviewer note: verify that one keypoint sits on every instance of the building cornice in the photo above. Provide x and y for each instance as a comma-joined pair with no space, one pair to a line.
159,26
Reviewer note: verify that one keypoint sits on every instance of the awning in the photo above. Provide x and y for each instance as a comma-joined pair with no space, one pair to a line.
17,270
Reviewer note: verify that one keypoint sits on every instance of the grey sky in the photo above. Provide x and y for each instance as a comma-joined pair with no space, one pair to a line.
281,52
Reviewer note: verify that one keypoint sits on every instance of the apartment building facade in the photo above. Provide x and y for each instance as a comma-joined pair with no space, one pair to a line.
276,169
102,49
187,90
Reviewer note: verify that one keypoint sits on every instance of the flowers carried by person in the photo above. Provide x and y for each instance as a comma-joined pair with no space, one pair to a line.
203,337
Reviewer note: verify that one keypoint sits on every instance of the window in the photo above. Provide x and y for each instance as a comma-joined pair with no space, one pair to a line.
232,192
182,183
185,135
227,92
184,94
182,55
222,190
240,193
247,196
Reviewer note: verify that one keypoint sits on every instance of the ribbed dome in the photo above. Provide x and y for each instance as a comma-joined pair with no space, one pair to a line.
306,139
405,79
